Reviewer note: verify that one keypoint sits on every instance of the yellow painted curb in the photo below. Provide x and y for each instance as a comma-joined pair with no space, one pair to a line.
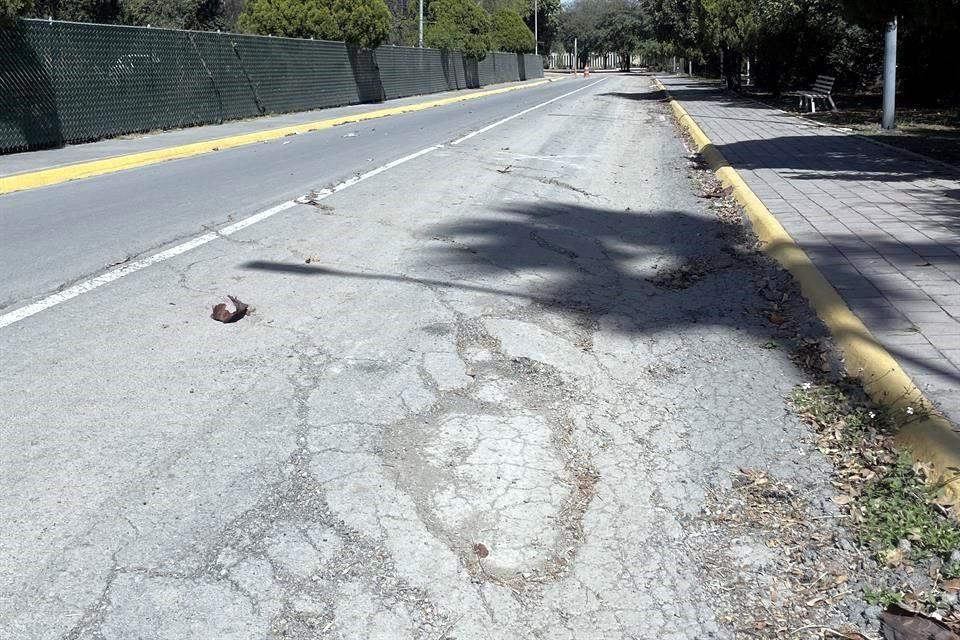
927,435
45,177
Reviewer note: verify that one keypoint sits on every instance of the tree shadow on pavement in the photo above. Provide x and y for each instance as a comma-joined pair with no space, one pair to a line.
828,154
641,272
644,96
832,157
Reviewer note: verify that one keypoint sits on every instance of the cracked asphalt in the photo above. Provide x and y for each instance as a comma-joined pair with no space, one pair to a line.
474,414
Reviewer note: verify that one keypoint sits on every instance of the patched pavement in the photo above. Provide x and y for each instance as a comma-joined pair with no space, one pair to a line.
493,405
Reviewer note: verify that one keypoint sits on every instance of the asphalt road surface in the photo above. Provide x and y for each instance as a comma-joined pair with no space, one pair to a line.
460,408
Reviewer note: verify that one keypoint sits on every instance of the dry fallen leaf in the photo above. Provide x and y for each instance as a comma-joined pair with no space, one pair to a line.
893,557
953,586
777,318
898,623
842,500
224,315
845,635
481,550
312,259
506,169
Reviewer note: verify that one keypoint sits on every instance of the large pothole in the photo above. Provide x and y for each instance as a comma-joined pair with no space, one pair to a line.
493,470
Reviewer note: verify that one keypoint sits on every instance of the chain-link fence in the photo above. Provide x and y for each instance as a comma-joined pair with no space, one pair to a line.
64,82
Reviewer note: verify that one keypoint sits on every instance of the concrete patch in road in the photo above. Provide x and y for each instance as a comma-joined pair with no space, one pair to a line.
521,339
576,396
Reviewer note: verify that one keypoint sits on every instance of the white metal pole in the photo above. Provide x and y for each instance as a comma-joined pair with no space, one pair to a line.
890,76
420,37
576,60
536,27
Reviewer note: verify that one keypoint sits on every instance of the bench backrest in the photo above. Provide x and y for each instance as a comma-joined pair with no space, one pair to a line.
824,84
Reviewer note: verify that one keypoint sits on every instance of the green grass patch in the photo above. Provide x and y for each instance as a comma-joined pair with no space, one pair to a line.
882,597
899,505
886,496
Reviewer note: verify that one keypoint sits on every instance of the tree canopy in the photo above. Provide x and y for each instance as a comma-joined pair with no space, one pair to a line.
510,33
10,9
605,26
465,25
547,19
787,42
362,23
172,14
459,25
290,18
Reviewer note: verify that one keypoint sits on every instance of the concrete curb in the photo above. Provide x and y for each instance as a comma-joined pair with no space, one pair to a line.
928,436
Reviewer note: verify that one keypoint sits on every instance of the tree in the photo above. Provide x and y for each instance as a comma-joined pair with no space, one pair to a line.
622,28
676,22
928,32
10,9
730,26
231,11
173,14
547,21
105,11
880,12
510,33
290,18
580,25
362,23
406,18
459,25
604,26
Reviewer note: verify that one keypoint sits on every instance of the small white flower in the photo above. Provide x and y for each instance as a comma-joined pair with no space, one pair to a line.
909,411
806,386
872,415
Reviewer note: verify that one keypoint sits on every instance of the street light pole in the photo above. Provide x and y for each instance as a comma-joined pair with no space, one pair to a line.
420,38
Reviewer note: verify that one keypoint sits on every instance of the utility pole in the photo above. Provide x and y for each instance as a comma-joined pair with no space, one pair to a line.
576,60
420,37
890,76
536,27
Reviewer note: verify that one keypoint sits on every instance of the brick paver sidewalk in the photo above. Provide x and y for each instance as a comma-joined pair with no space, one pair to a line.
881,225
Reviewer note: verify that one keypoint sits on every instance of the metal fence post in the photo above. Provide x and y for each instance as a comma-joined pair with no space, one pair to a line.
890,76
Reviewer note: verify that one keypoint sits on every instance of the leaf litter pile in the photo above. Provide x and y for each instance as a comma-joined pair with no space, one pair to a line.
876,556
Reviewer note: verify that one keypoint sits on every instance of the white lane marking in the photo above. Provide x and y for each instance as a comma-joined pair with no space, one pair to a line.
87,286
522,113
